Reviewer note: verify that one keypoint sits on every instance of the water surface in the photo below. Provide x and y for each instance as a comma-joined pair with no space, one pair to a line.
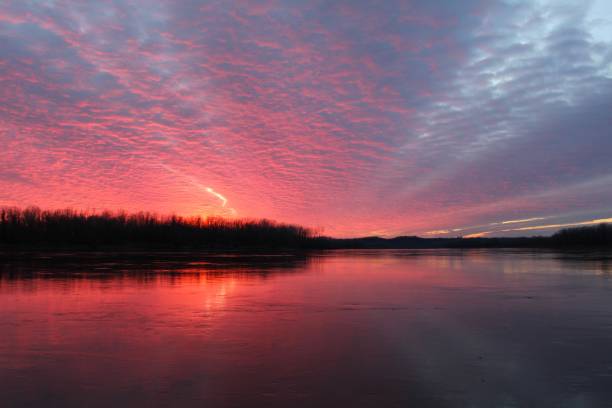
434,328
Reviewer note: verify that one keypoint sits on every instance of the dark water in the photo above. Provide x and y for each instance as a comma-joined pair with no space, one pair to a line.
344,329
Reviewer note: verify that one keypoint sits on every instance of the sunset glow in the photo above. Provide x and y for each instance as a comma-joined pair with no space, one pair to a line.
441,118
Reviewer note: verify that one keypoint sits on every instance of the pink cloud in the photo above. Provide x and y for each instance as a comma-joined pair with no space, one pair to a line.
353,118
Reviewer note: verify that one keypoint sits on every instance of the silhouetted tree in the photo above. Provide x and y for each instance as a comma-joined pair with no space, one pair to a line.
594,235
35,226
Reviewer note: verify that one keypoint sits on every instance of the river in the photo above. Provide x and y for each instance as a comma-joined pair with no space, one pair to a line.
439,328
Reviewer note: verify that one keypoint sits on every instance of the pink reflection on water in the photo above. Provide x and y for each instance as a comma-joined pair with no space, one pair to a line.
359,328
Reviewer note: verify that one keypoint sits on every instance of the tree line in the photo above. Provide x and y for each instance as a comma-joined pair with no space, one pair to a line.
33,226
594,235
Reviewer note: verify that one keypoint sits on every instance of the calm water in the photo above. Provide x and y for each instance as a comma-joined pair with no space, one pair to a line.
346,329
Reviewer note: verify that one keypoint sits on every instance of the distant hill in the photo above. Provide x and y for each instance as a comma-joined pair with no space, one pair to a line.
413,242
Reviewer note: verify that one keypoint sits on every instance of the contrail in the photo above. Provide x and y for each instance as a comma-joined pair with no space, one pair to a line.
520,221
202,187
571,224
527,228
219,196
492,224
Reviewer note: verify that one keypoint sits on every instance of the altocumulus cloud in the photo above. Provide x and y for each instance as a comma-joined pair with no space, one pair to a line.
356,116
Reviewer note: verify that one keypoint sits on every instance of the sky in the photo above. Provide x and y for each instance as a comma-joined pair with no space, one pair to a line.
433,117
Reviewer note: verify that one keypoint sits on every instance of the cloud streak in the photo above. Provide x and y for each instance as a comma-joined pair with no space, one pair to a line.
193,181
